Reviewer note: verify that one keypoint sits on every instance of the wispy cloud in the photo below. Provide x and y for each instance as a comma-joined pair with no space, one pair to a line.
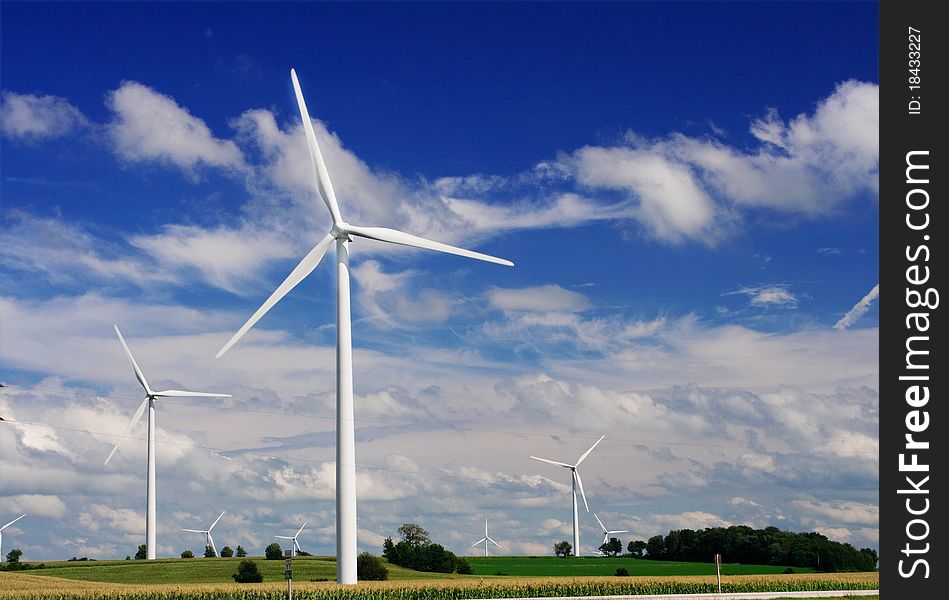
768,295
859,309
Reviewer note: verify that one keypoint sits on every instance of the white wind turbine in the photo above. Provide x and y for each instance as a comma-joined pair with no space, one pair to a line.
149,402
296,545
209,541
486,539
4,527
577,483
342,232
608,532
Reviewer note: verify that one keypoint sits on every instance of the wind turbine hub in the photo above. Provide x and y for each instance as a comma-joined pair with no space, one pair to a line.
340,231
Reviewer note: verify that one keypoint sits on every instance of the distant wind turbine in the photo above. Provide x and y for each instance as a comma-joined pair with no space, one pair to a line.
486,539
4,527
149,402
342,232
209,541
577,483
296,545
607,532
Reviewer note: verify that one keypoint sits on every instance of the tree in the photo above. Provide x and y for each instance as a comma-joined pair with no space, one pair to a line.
13,556
187,554
127,557
141,553
414,534
273,552
209,552
370,568
462,566
563,549
656,548
226,552
247,572
636,548
240,552
612,547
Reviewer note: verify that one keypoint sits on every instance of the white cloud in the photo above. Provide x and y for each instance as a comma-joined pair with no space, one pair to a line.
29,117
151,126
768,295
859,309
844,512
39,505
225,258
541,298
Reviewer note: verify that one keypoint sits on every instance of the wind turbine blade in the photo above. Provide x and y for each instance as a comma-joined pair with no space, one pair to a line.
12,522
306,266
195,530
138,372
211,543
587,453
128,428
553,462
323,183
284,537
216,520
299,530
495,543
602,526
620,531
183,394
580,485
479,541
296,545
384,234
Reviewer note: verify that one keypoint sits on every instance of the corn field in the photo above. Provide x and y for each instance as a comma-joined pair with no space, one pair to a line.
34,587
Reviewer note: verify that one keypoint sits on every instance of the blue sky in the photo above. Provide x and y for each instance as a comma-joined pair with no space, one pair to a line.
688,191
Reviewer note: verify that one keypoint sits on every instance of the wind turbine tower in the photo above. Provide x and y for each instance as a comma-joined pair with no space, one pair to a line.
486,539
577,483
149,403
342,234
208,541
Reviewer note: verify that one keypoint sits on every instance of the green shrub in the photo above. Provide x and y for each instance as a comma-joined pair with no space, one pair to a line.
273,552
622,572
370,568
247,572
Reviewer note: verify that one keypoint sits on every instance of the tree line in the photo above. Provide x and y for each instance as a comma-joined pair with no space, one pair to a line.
768,546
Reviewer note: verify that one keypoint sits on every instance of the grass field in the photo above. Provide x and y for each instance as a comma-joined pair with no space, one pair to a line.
552,566
316,568
195,570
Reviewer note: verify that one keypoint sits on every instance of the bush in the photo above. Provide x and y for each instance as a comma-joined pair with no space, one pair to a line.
273,552
622,572
209,552
247,572
141,553
462,567
788,571
240,552
226,552
187,554
370,568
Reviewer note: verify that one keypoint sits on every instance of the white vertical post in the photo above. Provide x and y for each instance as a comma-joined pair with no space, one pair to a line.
150,511
718,571
576,520
345,426
288,565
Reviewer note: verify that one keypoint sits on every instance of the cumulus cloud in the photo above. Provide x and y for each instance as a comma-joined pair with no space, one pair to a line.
150,126
684,188
30,117
859,309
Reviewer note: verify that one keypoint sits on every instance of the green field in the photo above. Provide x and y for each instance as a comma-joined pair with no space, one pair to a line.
320,568
202,570
552,566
